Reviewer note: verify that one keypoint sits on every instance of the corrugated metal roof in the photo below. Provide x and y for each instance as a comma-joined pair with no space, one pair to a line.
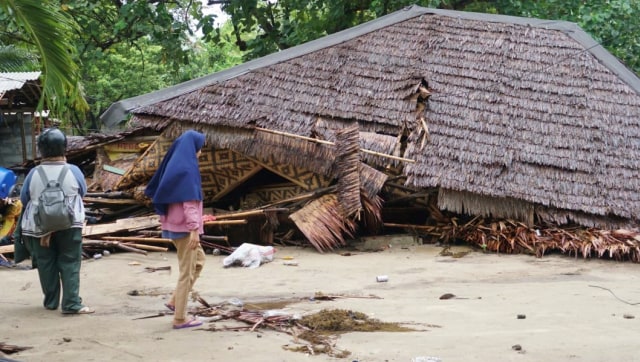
11,81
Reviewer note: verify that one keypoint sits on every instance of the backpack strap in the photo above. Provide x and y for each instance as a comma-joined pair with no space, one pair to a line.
63,173
43,176
44,179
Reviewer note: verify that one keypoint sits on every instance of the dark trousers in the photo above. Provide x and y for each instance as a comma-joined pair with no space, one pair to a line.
59,268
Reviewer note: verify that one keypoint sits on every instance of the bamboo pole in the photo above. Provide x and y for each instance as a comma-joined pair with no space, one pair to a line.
409,226
133,238
324,142
116,244
7,249
228,248
213,238
225,222
146,247
247,213
202,237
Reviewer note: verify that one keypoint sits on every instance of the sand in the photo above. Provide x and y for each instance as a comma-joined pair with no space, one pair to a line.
554,308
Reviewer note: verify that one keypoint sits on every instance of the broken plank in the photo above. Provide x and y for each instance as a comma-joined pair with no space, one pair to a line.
97,200
137,223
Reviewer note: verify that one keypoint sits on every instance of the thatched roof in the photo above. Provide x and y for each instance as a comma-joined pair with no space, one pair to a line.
519,108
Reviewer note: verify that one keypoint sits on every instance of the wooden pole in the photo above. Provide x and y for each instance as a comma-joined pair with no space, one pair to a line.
146,247
225,222
104,244
213,238
409,226
133,238
324,142
247,213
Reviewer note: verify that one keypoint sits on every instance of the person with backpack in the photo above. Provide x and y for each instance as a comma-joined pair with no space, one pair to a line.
176,193
52,223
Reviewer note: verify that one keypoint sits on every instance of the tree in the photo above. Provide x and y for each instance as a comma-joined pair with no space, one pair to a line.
133,47
33,26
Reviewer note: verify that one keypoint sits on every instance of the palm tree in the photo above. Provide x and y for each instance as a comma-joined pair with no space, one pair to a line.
47,30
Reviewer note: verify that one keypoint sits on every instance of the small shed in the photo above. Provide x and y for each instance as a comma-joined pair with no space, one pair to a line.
19,96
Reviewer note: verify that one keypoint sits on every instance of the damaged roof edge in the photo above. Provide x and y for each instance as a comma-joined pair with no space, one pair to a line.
118,111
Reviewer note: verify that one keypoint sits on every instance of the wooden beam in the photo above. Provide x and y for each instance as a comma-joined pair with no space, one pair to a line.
324,142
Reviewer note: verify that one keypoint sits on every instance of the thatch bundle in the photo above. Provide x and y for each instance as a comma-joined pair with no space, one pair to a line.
347,169
323,222
513,237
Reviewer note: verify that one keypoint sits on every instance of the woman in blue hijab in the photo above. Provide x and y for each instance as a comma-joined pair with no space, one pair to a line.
176,192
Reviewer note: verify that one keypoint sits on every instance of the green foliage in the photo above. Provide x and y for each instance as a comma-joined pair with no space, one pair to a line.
45,30
134,47
14,59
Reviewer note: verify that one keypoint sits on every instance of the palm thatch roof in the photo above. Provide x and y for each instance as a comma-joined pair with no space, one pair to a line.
502,107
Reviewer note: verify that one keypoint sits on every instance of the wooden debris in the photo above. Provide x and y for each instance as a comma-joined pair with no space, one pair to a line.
151,269
127,224
325,142
243,214
513,237
87,243
10,348
314,333
225,222
7,249
323,223
133,238
146,247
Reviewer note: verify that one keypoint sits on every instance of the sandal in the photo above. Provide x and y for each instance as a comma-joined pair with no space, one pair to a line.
188,324
170,307
83,310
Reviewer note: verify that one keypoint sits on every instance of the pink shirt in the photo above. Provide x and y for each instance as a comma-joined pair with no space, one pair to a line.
183,217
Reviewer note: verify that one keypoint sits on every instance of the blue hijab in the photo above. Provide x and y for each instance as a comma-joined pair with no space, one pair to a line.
178,177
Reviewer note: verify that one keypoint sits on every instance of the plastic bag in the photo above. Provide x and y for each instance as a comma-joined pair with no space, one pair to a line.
250,256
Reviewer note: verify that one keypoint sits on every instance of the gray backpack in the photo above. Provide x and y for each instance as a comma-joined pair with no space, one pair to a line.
53,213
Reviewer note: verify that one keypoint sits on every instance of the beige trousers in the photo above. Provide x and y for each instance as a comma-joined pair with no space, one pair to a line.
190,264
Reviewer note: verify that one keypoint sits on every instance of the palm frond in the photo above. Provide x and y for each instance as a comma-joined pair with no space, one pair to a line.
14,59
51,30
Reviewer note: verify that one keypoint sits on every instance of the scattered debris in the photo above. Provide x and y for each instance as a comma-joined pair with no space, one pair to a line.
153,269
446,296
382,278
9,348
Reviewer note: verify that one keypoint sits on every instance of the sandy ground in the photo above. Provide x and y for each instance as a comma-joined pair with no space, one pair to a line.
568,316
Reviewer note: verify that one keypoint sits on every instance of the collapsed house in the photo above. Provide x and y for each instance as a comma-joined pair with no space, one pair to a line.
486,115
